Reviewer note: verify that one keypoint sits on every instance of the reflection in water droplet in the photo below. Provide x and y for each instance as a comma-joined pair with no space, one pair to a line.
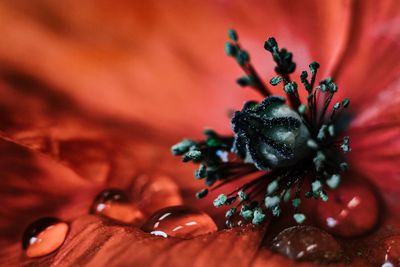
116,204
44,236
386,253
352,210
179,221
154,192
307,243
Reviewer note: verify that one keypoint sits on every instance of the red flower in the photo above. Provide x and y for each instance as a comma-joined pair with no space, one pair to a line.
93,94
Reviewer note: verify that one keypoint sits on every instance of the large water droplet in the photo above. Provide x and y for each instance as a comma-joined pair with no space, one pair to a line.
307,243
352,210
116,204
154,192
44,236
179,221
386,253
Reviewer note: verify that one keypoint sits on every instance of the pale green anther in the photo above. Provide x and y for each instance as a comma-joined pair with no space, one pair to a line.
194,155
202,193
286,196
331,130
344,166
201,172
314,66
210,180
312,144
245,81
316,186
182,147
345,146
276,211
242,57
346,102
336,106
272,201
333,88
275,80
230,213
319,160
247,214
299,218
258,217
230,49
232,34
302,109
242,195
334,181
290,88
272,187
323,196
296,202
220,200
322,132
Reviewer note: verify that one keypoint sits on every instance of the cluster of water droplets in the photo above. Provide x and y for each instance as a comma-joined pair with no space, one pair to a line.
343,216
170,219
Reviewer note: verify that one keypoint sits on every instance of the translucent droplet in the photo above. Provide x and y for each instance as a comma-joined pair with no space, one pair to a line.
116,204
351,210
154,192
386,252
44,236
307,243
179,221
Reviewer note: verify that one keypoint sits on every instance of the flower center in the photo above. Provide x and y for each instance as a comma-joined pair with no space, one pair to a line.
278,145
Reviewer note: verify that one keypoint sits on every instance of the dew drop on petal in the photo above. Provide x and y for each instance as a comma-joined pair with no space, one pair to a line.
179,221
154,192
116,204
386,252
351,210
44,236
307,243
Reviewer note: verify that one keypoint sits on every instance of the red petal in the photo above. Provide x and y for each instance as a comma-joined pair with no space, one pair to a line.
371,56
376,144
154,61
96,243
113,64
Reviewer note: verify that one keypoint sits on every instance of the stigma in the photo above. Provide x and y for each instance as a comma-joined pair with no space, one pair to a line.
270,134
283,140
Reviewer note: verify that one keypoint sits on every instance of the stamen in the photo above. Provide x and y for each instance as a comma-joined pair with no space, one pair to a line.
299,217
242,57
202,193
333,181
276,146
220,200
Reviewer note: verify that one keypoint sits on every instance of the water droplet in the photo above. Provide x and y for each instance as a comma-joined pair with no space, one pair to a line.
307,243
351,210
154,192
386,253
44,236
179,221
116,204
